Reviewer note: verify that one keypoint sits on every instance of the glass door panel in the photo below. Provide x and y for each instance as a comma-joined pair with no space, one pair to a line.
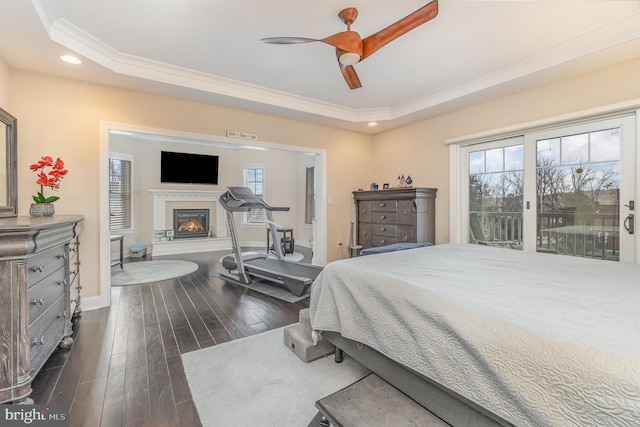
496,184
578,183
583,182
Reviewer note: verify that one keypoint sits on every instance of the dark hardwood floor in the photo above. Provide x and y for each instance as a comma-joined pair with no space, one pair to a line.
125,368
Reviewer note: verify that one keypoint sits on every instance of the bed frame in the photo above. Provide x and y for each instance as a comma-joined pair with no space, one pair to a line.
444,403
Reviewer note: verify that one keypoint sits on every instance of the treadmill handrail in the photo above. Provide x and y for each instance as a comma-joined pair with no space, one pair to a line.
242,199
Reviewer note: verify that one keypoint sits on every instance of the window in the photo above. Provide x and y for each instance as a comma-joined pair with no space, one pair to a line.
578,182
310,196
120,194
566,190
253,177
496,185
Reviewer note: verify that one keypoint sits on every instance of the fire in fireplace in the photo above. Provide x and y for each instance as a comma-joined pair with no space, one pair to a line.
190,223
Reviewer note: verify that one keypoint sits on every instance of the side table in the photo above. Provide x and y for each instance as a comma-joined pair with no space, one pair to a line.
287,245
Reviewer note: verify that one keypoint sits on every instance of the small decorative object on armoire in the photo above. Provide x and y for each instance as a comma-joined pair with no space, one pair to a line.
43,206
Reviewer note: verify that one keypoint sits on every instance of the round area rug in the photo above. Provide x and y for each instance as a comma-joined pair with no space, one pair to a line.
296,256
137,273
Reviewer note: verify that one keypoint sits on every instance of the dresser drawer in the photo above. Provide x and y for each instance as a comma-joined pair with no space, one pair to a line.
383,206
364,212
364,235
383,217
389,230
377,240
407,234
40,296
45,333
41,265
406,212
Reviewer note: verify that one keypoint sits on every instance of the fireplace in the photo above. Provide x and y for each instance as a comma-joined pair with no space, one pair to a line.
190,223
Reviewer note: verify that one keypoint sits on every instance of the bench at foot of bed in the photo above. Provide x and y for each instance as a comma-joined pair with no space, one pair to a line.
372,401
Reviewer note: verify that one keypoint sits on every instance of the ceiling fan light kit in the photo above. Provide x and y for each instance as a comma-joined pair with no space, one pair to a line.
349,58
351,48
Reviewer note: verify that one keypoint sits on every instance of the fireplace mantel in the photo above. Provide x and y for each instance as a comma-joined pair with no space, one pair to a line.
160,200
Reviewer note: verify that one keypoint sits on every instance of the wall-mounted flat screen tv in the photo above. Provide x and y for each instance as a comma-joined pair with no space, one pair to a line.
188,168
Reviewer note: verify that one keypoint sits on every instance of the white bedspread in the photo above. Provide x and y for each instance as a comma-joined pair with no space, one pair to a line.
538,339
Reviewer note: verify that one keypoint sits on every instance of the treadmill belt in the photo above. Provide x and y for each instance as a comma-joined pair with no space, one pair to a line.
285,268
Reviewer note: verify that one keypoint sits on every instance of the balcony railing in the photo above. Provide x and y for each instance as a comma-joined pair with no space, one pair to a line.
566,233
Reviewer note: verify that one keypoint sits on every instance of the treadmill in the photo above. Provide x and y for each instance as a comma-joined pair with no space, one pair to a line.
243,268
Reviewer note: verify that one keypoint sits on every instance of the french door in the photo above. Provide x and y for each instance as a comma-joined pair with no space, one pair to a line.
566,191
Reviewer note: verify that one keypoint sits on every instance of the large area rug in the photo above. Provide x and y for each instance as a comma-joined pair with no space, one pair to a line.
258,381
137,273
273,289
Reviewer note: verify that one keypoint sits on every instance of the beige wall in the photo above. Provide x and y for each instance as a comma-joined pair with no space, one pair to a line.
61,117
5,86
419,149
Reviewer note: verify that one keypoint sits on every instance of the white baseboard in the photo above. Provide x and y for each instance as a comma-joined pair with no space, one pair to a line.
92,303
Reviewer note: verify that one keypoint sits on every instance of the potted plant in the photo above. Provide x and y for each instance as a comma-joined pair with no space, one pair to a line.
43,206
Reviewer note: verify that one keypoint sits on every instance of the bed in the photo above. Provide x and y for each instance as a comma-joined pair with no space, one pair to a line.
489,336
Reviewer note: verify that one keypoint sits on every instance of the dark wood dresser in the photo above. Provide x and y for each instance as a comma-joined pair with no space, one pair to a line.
38,264
398,215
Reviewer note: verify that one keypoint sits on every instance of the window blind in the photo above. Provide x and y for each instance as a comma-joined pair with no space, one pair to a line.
254,179
310,196
119,194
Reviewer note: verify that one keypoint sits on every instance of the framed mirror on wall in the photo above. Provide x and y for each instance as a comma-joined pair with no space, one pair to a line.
8,165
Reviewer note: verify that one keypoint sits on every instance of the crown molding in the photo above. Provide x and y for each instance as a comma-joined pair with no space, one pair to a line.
67,34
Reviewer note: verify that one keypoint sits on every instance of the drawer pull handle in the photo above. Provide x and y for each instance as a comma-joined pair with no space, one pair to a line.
365,233
382,204
383,241
364,211
62,256
405,212
383,229
62,314
37,301
404,239
36,268
62,282
39,341
383,216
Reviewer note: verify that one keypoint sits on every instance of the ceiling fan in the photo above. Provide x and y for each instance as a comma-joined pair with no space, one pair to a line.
351,49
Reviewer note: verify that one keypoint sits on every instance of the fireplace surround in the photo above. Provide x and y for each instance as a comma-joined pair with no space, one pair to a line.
162,220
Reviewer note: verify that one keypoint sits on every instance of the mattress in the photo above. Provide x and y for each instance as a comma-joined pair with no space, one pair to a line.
538,339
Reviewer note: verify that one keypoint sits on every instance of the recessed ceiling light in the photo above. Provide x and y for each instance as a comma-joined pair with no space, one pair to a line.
71,59
372,124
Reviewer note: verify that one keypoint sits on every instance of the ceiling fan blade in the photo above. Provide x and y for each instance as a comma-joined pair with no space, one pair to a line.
348,72
375,41
287,40
347,41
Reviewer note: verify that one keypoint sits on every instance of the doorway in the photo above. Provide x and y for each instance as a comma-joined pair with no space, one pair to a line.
106,128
